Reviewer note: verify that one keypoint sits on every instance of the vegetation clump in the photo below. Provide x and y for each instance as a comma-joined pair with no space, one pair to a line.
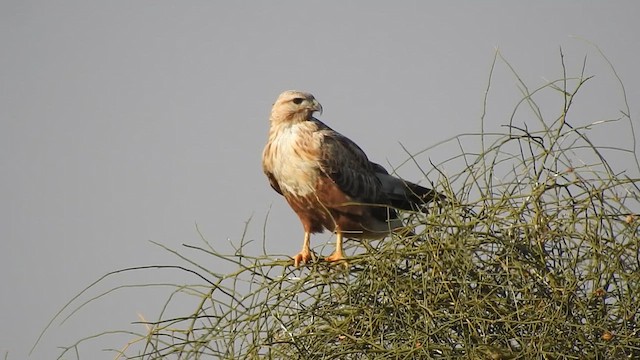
535,254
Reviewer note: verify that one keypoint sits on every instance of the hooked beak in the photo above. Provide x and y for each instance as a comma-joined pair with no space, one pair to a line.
316,106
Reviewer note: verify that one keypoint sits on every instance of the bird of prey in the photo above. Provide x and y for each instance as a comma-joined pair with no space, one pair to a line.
328,180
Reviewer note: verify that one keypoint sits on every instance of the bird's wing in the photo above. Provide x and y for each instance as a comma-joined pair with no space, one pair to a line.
348,166
273,182
267,166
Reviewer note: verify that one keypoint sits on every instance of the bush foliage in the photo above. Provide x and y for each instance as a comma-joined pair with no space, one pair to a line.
534,255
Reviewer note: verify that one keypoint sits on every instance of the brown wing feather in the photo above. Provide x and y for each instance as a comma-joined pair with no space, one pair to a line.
348,166
365,181
273,182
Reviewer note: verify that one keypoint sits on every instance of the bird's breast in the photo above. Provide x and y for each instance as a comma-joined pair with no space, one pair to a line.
294,160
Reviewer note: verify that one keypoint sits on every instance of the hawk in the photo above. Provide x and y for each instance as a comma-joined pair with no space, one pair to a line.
329,181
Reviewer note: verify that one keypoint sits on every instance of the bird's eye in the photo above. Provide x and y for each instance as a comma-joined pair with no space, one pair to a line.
298,101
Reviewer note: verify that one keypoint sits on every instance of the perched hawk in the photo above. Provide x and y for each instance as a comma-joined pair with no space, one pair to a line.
328,180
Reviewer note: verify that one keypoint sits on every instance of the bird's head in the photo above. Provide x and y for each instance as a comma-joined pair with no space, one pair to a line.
294,106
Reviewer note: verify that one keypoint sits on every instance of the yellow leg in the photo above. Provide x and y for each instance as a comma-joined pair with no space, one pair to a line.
338,254
305,254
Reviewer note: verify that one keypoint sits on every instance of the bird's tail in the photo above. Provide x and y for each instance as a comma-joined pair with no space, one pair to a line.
413,196
403,194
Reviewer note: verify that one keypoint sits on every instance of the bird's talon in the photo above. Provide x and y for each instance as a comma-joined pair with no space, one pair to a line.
337,257
303,257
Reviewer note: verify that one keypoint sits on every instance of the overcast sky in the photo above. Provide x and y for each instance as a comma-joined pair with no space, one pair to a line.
130,121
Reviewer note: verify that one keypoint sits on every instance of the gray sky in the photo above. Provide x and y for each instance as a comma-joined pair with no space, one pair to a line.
129,121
